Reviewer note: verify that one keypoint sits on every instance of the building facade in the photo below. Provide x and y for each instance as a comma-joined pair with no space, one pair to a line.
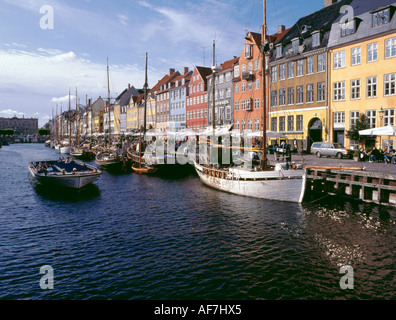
299,65
197,99
363,71
20,125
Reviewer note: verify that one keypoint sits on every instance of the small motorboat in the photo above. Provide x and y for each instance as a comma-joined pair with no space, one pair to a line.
144,169
73,174
108,159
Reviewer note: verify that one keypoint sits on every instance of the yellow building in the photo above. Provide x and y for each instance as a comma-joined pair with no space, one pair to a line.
132,114
363,74
117,119
151,112
298,100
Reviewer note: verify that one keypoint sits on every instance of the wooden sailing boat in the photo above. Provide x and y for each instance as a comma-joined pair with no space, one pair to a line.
139,167
283,182
109,157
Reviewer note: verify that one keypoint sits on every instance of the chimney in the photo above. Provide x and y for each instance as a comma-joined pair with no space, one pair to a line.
329,2
171,71
282,28
129,86
185,70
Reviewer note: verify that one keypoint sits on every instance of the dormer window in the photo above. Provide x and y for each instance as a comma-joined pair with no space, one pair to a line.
381,17
316,39
296,45
348,27
279,51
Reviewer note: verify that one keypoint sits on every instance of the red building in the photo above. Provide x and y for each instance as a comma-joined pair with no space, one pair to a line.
197,100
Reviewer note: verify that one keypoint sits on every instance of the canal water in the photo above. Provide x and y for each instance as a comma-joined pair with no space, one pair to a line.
170,237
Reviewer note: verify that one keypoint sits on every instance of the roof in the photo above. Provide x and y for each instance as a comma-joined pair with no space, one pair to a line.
126,96
228,64
164,80
204,72
320,20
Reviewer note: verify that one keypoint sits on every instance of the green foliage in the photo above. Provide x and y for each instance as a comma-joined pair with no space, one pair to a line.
360,124
6,132
43,132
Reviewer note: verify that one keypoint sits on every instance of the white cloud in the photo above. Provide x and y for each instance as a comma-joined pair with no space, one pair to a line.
123,19
63,99
10,113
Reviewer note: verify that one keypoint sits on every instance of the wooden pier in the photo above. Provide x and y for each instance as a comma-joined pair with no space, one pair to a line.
355,183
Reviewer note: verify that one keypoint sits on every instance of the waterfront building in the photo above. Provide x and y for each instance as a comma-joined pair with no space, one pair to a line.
151,111
363,71
120,110
161,92
108,120
20,125
298,66
133,113
197,99
117,119
223,94
178,99
97,116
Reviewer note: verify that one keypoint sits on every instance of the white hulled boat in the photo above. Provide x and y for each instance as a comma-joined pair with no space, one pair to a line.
74,175
283,182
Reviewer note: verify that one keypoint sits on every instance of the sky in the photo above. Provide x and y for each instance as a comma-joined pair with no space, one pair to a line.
51,47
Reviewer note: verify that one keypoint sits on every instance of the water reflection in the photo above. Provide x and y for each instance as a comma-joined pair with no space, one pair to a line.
52,193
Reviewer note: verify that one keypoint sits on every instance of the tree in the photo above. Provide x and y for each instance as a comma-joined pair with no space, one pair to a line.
43,132
6,132
359,125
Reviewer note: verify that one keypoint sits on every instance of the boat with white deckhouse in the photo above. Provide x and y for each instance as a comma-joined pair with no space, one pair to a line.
73,174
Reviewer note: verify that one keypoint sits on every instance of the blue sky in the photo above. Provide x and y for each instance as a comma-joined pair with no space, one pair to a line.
39,66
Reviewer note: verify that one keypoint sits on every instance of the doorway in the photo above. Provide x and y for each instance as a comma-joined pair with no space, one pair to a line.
315,127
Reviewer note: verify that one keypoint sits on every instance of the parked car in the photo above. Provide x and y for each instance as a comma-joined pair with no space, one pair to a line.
330,149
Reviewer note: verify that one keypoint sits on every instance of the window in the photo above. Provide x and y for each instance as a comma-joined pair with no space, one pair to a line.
321,62
282,123
290,95
250,66
250,124
296,45
354,117
389,117
348,27
248,51
274,96
372,52
274,74
355,56
237,124
236,71
290,123
257,103
390,48
279,51
249,85
371,87
237,88
380,17
282,93
300,94
310,65
371,118
256,64
290,70
243,86
256,124
282,72
274,124
256,84
339,59
236,105
310,92
299,123
355,89
339,119
321,91
300,68
316,39
339,91
389,84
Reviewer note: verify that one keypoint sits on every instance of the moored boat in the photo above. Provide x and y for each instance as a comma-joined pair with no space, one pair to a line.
108,159
144,169
284,183
74,174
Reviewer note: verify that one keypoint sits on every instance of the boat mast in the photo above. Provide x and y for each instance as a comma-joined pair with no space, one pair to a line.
78,122
145,98
69,121
108,98
264,75
61,123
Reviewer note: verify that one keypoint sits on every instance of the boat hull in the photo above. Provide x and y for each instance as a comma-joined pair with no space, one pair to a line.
74,180
65,150
287,185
